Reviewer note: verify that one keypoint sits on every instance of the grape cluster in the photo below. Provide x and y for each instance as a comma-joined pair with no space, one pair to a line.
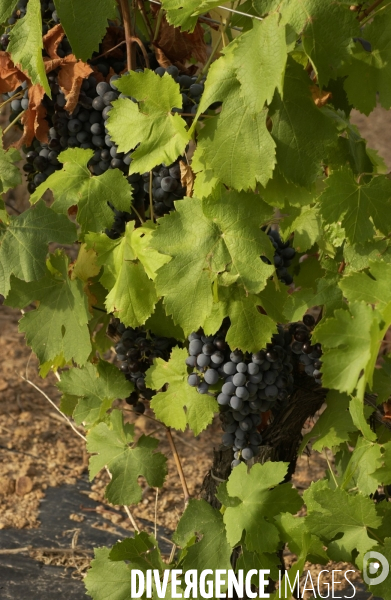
136,351
307,354
251,385
283,255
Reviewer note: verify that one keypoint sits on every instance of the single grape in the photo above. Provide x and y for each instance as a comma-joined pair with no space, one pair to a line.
193,380
211,376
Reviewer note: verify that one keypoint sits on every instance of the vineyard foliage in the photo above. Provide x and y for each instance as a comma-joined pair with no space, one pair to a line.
264,143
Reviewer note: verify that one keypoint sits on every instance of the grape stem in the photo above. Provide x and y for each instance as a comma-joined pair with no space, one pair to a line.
124,7
150,196
145,19
16,97
370,9
6,130
178,466
216,46
158,23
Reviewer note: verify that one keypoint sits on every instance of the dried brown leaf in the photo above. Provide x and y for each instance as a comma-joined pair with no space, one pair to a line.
10,76
319,96
52,40
187,178
113,37
70,79
179,46
33,120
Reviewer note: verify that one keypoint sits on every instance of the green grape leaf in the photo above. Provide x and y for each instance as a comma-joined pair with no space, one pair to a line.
235,147
279,192
337,512
346,341
160,324
327,294
259,504
96,387
169,406
23,244
357,411
333,426
383,589
85,33
302,132
357,256
373,286
7,7
225,244
161,136
25,45
184,13
361,469
259,59
383,472
132,294
108,579
74,185
10,175
110,446
373,67
359,206
294,532
59,325
142,552
213,550
252,560
305,223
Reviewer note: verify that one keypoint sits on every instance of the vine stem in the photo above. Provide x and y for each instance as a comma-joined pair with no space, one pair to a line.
216,47
178,466
124,6
370,9
158,23
150,196
13,122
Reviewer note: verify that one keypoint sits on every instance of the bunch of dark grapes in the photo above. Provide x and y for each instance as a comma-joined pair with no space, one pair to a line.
251,385
283,255
136,351
307,354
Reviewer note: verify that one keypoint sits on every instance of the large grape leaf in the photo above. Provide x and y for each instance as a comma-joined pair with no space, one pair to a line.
142,552
74,185
305,223
302,132
361,470
333,426
110,446
338,513
181,404
372,286
368,73
6,9
249,330
225,245
59,325
212,551
25,45
23,244
95,387
293,530
184,13
10,175
326,294
132,294
85,23
383,472
161,136
359,206
107,578
346,341
259,505
234,147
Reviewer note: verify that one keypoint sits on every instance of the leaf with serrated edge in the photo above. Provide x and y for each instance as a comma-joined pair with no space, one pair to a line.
161,136
83,32
59,325
96,387
184,13
74,185
359,206
10,175
25,45
333,426
302,133
226,241
110,446
24,243
259,504
337,512
108,579
169,406
213,550
373,286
